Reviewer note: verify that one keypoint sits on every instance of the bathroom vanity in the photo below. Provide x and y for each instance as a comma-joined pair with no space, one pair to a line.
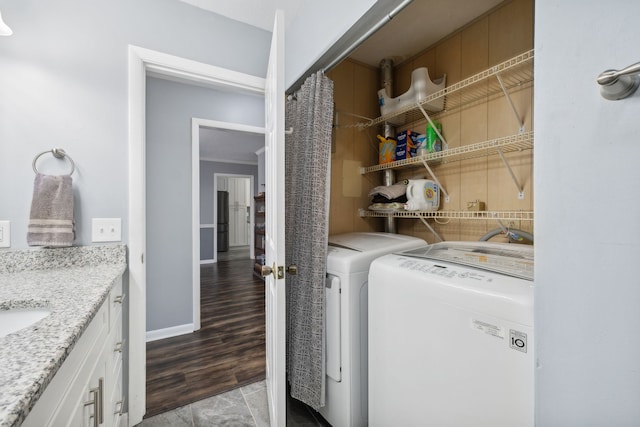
67,367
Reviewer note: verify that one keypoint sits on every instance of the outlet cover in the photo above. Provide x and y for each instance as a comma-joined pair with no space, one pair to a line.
5,234
106,230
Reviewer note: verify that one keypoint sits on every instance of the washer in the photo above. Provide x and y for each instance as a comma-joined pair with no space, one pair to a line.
451,336
348,259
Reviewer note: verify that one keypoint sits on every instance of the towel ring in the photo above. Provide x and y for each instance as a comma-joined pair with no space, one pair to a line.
58,153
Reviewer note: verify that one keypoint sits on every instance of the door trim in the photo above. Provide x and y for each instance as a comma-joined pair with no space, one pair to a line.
144,62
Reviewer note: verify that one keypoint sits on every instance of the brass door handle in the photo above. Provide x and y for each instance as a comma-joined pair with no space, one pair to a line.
266,270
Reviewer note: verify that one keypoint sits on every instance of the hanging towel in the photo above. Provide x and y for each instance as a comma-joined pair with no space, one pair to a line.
51,219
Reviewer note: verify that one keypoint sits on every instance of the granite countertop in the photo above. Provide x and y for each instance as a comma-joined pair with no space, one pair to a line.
72,283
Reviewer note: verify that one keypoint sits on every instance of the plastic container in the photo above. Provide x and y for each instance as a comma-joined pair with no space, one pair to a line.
422,195
434,143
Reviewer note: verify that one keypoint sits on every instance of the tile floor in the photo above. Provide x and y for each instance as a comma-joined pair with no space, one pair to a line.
242,407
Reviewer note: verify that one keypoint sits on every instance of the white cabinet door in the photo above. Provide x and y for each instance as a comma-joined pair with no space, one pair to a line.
274,239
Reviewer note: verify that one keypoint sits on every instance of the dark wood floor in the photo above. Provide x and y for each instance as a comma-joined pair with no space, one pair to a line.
227,352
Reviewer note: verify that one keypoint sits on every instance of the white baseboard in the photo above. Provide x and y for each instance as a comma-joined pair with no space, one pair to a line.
207,261
173,331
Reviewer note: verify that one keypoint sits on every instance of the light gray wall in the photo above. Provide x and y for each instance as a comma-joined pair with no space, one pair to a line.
587,217
170,107
63,83
316,27
207,192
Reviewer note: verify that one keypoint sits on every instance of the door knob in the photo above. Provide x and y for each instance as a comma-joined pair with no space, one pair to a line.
292,269
266,270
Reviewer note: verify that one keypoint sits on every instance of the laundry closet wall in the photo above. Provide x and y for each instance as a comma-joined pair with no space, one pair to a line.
490,39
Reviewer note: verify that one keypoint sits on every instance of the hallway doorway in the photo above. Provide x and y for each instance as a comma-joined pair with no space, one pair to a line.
233,216
227,352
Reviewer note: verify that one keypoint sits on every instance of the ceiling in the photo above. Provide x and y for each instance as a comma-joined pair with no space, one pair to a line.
421,24
418,26
259,13
230,146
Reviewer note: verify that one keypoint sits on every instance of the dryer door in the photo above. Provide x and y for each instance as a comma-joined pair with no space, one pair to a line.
332,327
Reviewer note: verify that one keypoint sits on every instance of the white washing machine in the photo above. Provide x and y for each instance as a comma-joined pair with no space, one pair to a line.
348,259
451,336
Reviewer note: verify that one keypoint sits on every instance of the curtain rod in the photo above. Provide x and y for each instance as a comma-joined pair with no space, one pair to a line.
366,35
337,53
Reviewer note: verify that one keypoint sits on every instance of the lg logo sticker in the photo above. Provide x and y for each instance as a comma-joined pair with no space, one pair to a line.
518,340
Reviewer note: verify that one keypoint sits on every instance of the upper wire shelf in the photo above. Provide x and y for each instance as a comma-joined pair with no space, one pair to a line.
515,72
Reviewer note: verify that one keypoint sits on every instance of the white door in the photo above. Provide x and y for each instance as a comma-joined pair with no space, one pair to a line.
238,211
274,227
586,286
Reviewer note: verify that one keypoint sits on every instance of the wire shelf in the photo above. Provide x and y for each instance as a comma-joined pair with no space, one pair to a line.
515,72
480,215
507,144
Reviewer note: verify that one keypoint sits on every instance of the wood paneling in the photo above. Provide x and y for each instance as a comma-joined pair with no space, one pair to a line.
355,93
227,352
499,35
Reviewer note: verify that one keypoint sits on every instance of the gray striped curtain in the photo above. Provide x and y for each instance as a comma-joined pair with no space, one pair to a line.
308,161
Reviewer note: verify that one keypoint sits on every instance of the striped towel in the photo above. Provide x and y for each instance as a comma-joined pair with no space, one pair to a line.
51,219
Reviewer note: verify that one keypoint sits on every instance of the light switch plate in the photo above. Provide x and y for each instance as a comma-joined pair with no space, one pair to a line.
106,230
5,234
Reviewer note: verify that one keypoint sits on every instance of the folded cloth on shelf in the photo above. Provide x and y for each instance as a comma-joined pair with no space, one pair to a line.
51,218
382,199
389,191
386,207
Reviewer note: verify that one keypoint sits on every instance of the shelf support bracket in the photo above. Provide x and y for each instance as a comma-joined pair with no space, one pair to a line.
504,229
513,107
433,125
513,175
426,224
435,178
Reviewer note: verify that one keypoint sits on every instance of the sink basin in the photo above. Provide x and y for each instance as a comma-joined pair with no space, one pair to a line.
19,318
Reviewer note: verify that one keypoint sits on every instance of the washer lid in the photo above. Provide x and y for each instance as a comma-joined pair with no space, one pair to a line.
370,242
510,259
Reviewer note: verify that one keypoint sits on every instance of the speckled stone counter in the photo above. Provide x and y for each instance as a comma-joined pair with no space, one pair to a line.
72,283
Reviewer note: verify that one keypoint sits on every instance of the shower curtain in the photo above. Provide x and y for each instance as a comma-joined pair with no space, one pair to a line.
307,163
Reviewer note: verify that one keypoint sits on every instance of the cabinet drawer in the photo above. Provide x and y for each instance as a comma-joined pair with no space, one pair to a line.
116,346
71,379
116,301
115,402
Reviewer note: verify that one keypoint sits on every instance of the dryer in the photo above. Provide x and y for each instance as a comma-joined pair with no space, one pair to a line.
451,336
348,259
